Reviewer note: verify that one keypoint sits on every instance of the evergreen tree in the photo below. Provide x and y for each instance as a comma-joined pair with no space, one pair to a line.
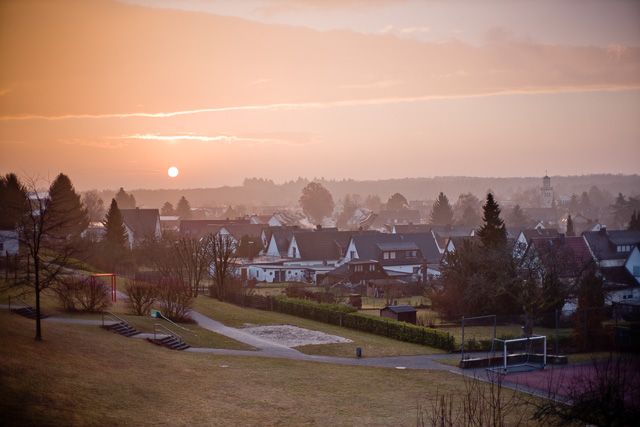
493,232
183,209
517,217
167,209
115,240
397,202
570,231
13,200
66,207
441,212
125,200
316,201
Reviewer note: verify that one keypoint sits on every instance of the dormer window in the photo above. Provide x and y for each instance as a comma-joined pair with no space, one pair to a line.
624,248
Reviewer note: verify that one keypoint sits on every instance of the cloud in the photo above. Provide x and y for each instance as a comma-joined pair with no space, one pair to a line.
506,35
387,29
280,138
413,30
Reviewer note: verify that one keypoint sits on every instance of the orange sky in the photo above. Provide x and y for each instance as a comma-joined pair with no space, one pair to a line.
113,93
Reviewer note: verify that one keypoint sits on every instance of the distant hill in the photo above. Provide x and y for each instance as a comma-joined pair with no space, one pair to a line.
264,192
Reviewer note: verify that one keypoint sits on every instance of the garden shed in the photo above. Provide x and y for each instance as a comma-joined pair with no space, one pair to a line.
403,313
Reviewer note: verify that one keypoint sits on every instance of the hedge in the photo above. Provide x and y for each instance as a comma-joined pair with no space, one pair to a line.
347,316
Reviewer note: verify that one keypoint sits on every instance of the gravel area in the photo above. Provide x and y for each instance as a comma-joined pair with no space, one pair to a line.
293,336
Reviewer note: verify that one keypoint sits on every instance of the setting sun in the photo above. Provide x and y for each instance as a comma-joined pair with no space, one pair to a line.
173,171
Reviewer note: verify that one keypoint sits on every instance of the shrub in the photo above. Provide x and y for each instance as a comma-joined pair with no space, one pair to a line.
175,300
142,295
82,294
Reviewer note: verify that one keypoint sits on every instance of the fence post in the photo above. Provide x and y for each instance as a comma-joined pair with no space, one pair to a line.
557,334
585,329
462,342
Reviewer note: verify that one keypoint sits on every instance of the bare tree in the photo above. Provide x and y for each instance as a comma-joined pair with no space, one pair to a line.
48,251
224,264
188,260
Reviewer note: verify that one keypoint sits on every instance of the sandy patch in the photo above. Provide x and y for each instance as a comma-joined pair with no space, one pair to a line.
293,336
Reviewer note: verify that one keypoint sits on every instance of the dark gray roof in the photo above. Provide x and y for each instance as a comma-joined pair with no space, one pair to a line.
368,247
142,222
604,243
322,245
400,308
398,246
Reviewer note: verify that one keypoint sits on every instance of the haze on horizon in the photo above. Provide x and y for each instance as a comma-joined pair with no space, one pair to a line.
113,93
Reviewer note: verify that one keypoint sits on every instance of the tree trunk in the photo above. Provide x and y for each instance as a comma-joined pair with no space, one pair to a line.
36,265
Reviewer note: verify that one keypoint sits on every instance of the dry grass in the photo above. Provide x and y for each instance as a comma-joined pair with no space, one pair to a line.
84,375
371,345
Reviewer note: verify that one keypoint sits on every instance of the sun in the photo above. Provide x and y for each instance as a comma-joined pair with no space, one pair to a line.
173,171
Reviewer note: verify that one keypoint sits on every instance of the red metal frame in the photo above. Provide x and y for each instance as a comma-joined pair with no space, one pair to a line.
113,283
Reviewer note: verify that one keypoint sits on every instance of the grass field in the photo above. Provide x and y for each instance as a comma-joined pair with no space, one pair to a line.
85,375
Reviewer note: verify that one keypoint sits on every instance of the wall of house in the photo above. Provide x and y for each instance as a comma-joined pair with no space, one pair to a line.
9,242
633,264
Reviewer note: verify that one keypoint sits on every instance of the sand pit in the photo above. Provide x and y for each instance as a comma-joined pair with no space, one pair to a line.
293,336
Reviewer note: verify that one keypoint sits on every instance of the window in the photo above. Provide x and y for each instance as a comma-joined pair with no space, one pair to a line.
352,254
294,252
385,255
392,255
358,267
372,267
636,271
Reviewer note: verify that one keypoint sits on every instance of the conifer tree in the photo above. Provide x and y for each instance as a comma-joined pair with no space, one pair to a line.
183,209
13,200
66,207
517,217
167,209
441,212
115,239
125,200
397,202
570,231
493,232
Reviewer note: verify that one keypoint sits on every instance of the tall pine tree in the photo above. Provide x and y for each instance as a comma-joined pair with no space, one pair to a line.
441,212
115,241
125,200
183,209
493,232
66,208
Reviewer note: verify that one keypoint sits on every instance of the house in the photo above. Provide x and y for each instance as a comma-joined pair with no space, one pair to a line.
318,247
195,228
170,223
9,244
568,258
411,228
617,258
353,273
141,224
389,218
443,234
401,313
94,232
399,254
526,235
279,241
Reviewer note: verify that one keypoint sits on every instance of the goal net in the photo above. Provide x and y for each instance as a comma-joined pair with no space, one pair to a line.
519,354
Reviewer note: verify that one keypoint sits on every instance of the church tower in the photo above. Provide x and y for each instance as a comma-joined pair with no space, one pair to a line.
547,192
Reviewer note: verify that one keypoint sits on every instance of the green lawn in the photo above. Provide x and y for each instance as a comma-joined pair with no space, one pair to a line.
85,375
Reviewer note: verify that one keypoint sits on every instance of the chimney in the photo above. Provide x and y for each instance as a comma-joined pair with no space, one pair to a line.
603,231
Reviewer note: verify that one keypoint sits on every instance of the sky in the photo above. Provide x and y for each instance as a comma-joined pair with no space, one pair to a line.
113,93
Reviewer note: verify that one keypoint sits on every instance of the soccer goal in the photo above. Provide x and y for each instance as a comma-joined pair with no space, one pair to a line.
519,354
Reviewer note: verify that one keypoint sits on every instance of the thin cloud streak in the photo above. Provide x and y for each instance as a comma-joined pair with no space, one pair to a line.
330,104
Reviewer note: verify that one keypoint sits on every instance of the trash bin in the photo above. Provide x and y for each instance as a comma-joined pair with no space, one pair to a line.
359,352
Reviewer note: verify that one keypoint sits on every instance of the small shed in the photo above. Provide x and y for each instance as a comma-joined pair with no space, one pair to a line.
402,313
